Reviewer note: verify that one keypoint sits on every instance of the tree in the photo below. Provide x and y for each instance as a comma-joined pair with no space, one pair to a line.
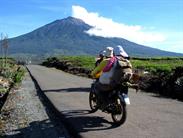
4,48
1,49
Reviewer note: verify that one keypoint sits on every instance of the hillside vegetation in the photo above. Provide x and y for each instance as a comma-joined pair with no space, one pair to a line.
11,75
159,75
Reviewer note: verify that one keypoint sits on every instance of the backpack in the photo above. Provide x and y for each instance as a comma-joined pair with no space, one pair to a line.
122,71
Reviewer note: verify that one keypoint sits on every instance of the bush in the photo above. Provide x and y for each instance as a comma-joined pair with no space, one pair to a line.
19,75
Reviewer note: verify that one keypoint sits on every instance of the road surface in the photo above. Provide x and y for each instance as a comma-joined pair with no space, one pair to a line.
149,116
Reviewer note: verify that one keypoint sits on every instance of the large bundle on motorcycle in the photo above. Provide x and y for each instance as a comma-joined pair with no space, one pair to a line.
122,71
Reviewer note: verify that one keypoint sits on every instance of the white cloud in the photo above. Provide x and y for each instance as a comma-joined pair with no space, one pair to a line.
106,27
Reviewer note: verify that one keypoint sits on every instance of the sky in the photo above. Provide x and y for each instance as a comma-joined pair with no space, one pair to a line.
154,23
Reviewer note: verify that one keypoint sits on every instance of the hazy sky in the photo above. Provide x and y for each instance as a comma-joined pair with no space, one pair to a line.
155,23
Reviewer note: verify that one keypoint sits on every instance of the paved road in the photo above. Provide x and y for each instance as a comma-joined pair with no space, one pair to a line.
149,116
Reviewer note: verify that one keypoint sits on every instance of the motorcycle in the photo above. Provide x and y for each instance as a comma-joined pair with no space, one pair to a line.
116,103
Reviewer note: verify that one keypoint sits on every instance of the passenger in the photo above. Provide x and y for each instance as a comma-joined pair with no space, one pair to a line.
125,74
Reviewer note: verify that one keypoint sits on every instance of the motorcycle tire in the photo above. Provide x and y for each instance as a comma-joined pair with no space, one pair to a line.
120,114
93,102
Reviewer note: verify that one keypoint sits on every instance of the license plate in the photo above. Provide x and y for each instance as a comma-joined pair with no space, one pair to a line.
127,100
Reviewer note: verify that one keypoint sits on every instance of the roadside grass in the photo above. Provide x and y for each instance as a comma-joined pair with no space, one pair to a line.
157,65
19,75
11,75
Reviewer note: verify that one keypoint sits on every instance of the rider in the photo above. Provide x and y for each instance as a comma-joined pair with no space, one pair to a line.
98,61
105,67
100,58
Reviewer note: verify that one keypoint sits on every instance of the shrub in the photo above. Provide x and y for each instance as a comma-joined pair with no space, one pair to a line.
19,75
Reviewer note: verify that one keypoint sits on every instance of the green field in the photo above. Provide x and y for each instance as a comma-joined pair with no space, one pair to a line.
155,65
80,61
148,64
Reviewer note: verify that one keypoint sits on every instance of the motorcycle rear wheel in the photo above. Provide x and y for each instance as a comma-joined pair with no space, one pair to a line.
120,115
93,102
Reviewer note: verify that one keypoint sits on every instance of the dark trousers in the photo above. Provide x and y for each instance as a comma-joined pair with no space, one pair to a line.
103,91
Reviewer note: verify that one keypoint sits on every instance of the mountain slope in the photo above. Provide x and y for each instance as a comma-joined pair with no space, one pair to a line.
67,36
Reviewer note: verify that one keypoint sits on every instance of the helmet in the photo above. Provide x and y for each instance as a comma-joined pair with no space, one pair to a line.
119,51
102,53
